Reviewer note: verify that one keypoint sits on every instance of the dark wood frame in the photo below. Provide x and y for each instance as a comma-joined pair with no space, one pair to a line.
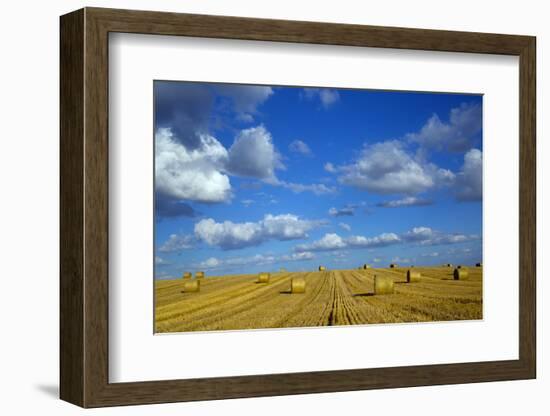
84,207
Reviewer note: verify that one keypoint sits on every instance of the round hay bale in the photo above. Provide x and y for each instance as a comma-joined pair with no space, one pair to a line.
263,278
199,275
393,266
449,265
192,286
366,266
187,275
479,265
459,266
298,285
460,274
322,268
413,276
383,285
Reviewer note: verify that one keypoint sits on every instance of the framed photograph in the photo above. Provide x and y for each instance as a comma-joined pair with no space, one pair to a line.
255,207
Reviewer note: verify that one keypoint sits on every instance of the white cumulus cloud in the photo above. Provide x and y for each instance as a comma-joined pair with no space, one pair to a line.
456,135
329,241
429,237
424,236
193,175
229,235
333,241
255,260
387,168
469,181
253,154
177,243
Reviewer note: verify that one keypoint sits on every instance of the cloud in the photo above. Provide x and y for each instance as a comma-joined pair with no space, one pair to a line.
469,181
187,108
329,167
256,260
326,96
229,235
201,174
193,175
333,241
298,188
345,226
166,207
420,235
247,202
245,98
409,201
385,239
303,256
387,168
298,146
329,241
348,210
190,163
457,135
253,154
429,237
177,243
210,263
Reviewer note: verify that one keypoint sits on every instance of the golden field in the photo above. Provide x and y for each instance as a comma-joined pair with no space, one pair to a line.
336,297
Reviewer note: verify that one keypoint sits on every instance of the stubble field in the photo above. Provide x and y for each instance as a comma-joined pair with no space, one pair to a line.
336,297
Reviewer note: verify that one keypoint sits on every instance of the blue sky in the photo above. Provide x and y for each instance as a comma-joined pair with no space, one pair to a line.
257,178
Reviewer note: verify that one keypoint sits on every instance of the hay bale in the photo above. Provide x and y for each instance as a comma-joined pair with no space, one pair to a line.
460,274
479,265
298,285
187,275
263,278
199,275
191,286
322,268
459,266
413,276
366,266
393,266
383,285
449,265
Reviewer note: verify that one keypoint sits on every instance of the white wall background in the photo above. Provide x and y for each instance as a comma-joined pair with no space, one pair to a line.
29,84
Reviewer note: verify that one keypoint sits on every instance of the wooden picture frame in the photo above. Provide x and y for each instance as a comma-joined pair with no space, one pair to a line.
84,207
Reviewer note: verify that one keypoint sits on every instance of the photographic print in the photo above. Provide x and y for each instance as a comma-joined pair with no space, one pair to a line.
288,207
